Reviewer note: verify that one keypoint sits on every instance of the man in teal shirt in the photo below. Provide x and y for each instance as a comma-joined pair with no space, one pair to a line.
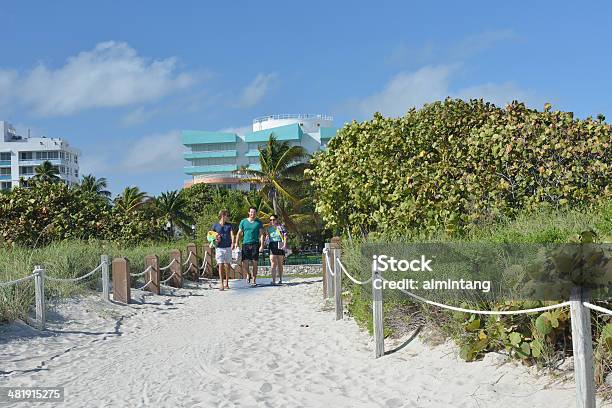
252,244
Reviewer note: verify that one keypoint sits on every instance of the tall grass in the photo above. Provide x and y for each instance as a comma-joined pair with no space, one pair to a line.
66,259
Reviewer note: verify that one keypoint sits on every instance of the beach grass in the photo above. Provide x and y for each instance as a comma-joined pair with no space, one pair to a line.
66,259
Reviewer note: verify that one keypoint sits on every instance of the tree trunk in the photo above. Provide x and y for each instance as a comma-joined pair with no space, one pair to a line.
275,202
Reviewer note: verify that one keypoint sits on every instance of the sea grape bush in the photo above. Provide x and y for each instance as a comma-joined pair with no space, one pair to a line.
46,212
452,164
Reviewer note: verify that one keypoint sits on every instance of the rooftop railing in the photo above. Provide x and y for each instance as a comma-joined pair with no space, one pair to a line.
293,116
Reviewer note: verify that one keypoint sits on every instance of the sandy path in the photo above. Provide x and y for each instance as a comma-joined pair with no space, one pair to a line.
247,347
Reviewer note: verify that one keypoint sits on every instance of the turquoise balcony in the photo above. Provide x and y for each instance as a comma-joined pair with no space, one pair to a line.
5,177
191,137
209,154
255,166
5,163
220,168
252,153
287,132
327,132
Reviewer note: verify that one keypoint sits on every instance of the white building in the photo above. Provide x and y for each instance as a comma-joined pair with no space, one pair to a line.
213,156
20,155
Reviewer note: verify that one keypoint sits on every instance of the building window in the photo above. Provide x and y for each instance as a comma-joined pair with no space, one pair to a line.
76,158
213,147
26,170
5,171
25,156
5,156
6,185
54,155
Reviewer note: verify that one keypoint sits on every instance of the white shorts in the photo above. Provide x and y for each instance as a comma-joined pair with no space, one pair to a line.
223,255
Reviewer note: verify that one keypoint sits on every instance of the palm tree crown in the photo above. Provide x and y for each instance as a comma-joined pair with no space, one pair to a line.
131,199
94,185
172,206
282,170
47,172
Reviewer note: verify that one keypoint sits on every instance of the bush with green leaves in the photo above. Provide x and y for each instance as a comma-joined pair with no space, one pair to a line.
47,211
453,163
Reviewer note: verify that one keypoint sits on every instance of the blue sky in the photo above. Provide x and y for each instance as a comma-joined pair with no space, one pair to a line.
119,80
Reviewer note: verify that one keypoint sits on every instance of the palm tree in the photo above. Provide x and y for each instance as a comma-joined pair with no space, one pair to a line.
94,185
282,171
131,199
172,206
47,172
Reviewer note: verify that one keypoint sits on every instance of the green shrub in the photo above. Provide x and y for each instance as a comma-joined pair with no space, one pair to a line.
453,164
45,212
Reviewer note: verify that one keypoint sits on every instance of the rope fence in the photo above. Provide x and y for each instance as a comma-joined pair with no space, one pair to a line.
122,278
188,258
597,308
579,312
16,281
169,265
80,278
148,269
348,275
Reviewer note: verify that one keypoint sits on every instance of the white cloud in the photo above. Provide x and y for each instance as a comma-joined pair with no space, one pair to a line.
476,43
110,75
7,87
408,89
256,90
154,152
139,115
431,83
240,130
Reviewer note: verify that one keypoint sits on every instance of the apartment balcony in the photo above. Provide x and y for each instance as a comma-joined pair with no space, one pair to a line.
218,168
193,137
5,163
4,177
37,162
287,132
209,154
326,133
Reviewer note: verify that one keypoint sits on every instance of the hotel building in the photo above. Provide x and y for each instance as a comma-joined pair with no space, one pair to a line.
213,156
20,155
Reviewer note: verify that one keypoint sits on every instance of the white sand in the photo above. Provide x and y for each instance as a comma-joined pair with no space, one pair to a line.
248,347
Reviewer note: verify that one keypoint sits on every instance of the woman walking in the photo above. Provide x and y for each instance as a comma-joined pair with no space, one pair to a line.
277,234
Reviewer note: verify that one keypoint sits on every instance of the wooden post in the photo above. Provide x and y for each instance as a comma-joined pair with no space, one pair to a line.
331,280
39,289
208,271
177,269
377,312
122,281
105,279
583,350
192,266
325,271
153,274
338,284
